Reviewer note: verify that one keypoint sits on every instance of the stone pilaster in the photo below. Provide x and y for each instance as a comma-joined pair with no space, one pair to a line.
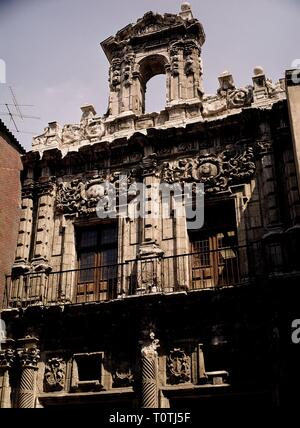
43,223
29,356
149,363
271,214
269,190
182,244
291,185
26,222
149,271
7,355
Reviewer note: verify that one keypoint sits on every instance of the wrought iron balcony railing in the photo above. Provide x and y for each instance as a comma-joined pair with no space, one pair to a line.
224,267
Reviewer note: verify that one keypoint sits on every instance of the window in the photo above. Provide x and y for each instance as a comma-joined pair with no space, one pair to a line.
150,67
214,259
87,372
97,259
155,94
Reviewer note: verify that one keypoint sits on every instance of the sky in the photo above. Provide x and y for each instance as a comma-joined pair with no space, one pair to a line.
54,61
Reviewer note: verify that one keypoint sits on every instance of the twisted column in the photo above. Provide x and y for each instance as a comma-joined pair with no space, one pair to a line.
150,373
7,356
29,356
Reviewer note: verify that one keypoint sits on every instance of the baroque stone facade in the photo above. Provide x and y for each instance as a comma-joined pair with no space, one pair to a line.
146,311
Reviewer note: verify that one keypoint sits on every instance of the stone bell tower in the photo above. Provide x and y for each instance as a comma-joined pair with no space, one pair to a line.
157,44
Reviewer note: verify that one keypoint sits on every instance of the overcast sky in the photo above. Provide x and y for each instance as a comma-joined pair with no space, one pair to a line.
54,60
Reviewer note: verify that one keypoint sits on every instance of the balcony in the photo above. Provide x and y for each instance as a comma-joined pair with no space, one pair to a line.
226,267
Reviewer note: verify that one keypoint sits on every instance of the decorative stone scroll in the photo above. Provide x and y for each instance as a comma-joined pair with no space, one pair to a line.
178,367
55,373
242,97
217,171
79,196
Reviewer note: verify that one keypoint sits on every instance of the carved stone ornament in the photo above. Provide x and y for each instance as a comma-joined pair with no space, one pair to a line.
115,73
71,134
55,373
94,130
149,164
149,23
46,187
178,367
191,48
240,97
122,376
52,136
149,350
128,68
174,55
82,197
29,357
216,171
214,106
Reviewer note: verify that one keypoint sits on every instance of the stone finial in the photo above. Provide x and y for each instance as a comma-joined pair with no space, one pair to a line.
259,83
226,82
186,11
258,70
54,127
88,112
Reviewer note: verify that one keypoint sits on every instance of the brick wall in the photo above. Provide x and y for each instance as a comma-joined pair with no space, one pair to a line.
10,189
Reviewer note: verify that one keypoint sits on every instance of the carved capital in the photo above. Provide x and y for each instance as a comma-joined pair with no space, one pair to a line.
28,189
29,357
149,348
149,164
45,187
7,358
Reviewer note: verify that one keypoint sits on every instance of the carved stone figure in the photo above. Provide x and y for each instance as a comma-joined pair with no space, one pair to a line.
174,54
127,70
115,73
55,373
178,367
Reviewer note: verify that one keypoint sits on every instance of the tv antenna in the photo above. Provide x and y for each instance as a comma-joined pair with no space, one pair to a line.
17,113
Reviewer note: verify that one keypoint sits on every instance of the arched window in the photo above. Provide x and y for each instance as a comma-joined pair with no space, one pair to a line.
155,95
153,68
